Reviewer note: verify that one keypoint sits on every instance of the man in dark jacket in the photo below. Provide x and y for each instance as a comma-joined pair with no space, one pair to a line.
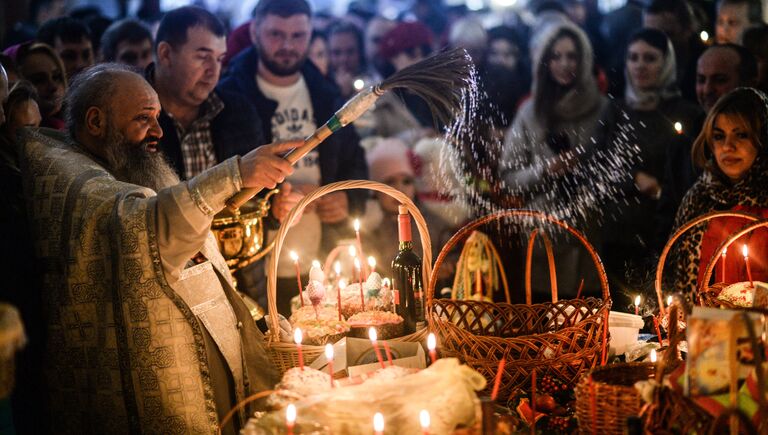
292,99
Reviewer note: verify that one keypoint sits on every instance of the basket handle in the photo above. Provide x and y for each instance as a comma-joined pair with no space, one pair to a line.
421,225
471,226
682,230
529,265
725,244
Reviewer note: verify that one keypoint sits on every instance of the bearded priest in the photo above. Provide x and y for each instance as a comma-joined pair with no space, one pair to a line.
145,331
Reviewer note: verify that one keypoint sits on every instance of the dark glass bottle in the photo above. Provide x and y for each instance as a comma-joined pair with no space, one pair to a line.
406,270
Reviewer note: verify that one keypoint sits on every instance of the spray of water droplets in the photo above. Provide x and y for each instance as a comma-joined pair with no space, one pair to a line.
473,153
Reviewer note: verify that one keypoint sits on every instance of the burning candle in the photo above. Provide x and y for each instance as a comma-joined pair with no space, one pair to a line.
722,265
290,418
637,305
329,358
389,353
373,336
360,280
297,337
372,264
704,36
497,379
670,299
295,258
342,284
478,282
356,224
378,424
745,252
352,251
653,356
432,346
425,421
679,127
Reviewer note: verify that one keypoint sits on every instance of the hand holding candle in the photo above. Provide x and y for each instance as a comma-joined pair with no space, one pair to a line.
295,258
424,420
745,252
297,338
329,358
290,418
432,346
374,336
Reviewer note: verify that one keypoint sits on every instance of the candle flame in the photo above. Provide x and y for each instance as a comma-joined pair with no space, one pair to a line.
316,263
357,263
378,422
297,336
424,419
745,251
653,355
352,251
637,300
669,300
290,414
431,341
386,282
342,283
329,352
337,267
704,36
678,127
294,256
371,262
372,334
356,224
724,251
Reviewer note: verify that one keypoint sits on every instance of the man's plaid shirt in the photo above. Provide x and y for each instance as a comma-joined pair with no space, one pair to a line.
196,142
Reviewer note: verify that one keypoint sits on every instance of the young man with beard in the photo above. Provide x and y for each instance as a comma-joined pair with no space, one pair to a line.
146,333
293,99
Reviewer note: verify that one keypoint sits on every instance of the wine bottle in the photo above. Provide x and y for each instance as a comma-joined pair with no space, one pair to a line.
406,270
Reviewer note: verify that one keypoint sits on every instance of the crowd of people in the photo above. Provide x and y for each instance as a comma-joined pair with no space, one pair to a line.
150,127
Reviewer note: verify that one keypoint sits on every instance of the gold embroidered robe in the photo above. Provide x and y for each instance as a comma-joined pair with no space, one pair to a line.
133,335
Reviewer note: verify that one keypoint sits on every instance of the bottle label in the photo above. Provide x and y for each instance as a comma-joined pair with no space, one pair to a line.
404,227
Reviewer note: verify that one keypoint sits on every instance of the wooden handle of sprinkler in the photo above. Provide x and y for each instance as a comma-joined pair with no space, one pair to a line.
240,198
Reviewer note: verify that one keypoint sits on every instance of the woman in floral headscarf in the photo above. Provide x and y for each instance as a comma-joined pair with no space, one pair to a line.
733,151
646,117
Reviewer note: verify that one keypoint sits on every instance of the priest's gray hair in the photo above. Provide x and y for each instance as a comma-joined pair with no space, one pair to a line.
93,87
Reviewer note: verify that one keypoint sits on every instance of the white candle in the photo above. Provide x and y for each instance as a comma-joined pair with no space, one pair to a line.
378,423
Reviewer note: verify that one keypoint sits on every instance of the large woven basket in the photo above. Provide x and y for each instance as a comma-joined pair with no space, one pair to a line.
704,293
285,355
561,339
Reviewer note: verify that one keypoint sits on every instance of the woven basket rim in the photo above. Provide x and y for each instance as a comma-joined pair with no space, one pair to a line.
421,226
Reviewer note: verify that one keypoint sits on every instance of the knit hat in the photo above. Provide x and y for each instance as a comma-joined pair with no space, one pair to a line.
404,36
389,157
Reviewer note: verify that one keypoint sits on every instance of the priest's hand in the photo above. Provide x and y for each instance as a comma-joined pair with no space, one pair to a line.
264,167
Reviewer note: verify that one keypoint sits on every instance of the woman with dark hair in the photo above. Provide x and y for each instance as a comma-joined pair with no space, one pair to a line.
552,133
732,148
346,57
318,52
41,66
654,117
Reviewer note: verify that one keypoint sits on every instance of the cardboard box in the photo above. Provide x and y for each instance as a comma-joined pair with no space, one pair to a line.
355,356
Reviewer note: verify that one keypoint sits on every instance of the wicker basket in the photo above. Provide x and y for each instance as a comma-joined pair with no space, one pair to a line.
285,355
561,339
607,396
705,293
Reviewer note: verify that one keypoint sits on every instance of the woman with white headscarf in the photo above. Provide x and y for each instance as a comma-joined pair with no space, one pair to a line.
653,116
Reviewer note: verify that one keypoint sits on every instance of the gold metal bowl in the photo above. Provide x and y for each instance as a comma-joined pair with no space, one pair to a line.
240,235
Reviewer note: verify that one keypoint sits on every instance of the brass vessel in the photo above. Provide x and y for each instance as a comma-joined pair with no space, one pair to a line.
240,234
